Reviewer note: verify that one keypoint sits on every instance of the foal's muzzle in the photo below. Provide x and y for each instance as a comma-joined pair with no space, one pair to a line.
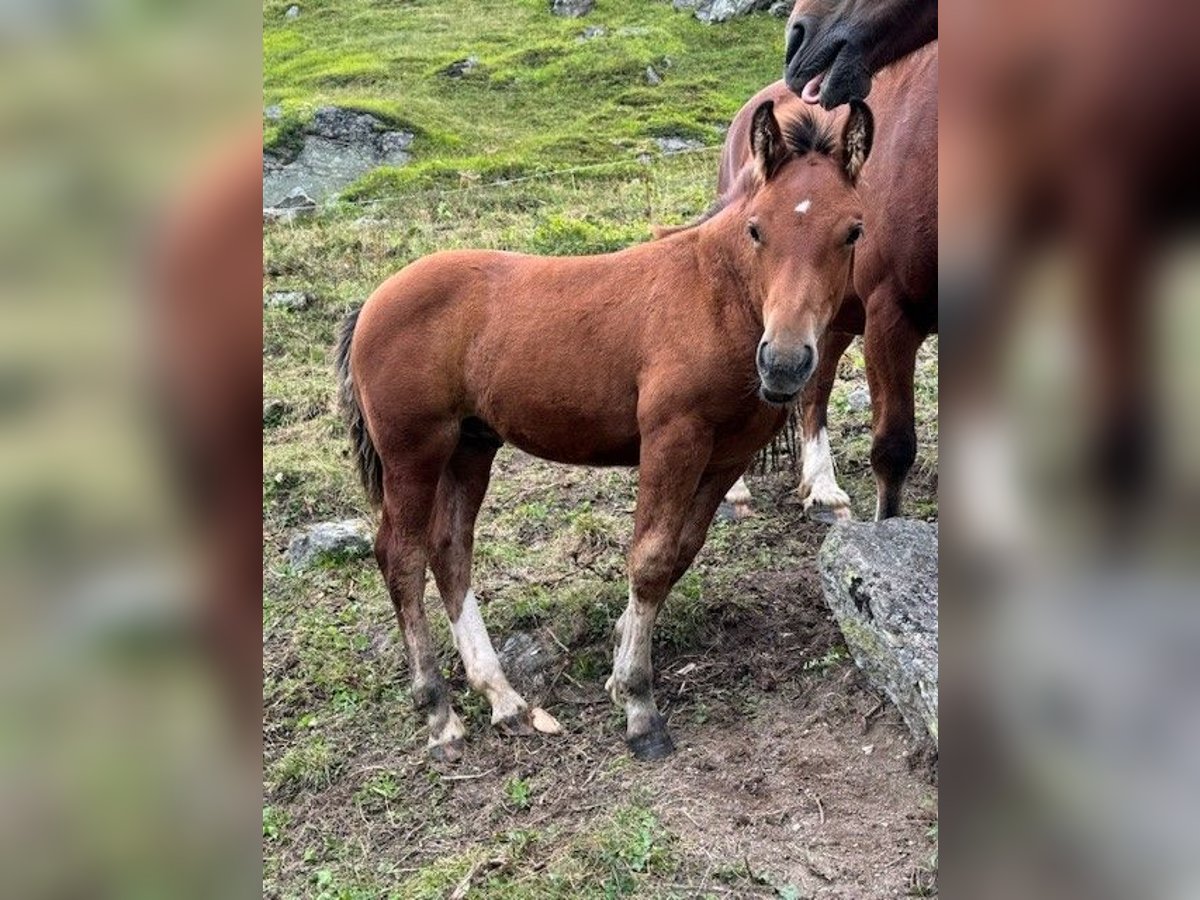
783,372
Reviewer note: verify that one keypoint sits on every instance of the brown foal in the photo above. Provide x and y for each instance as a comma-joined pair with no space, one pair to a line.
677,356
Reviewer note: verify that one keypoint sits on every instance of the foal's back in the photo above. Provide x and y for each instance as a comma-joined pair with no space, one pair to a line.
552,353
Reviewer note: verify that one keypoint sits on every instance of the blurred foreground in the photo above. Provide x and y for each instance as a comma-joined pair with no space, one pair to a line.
1069,280
121,772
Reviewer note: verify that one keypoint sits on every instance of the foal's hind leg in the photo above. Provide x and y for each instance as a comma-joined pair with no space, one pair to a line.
891,341
819,490
451,540
400,551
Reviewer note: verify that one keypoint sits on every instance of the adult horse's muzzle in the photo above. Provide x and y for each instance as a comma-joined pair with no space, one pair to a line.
783,371
824,65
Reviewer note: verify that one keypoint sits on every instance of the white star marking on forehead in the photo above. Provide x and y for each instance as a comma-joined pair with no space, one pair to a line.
802,206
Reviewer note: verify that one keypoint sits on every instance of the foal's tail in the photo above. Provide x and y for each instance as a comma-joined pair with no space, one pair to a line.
370,469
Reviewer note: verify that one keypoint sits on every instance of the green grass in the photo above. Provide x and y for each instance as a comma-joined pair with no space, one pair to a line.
540,98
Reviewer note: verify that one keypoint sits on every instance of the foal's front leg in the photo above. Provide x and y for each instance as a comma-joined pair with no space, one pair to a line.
672,460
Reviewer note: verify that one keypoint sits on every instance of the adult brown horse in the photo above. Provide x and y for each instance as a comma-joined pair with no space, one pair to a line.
676,356
834,47
892,296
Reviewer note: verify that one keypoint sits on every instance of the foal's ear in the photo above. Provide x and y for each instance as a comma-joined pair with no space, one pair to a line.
766,140
857,137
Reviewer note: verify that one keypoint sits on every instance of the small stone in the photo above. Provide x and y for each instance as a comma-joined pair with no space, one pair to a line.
461,67
669,145
652,77
331,543
291,300
544,722
296,203
592,32
572,9
274,412
859,399
781,9
274,112
293,12
525,658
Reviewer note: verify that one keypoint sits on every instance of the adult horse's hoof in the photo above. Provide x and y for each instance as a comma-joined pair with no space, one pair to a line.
450,751
652,745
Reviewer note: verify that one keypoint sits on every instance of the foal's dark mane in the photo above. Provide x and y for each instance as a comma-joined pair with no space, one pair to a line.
802,133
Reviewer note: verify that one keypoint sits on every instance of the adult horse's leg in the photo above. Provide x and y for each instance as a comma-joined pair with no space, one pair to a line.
408,496
890,344
460,493
672,460
818,484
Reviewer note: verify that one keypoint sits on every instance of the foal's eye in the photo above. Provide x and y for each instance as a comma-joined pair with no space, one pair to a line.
856,231
755,234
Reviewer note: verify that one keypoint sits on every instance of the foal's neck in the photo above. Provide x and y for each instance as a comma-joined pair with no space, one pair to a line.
725,266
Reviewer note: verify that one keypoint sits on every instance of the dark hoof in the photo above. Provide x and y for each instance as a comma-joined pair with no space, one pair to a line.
451,751
655,744
516,726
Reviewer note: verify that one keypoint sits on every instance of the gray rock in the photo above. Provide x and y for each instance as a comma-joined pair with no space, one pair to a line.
591,33
273,112
527,658
345,125
290,205
293,300
331,543
293,12
340,146
572,9
274,412
781,9
461,67
859,399
297,198
669,145
715,11
393,143
652,77
881,581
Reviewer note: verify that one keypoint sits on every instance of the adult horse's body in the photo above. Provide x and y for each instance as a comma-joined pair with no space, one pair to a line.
892,296
834,47
675,356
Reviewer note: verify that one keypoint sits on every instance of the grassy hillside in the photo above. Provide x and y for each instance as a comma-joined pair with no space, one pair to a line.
772,793
540,98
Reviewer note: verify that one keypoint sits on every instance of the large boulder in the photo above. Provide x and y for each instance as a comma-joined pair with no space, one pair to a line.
881,581
331,543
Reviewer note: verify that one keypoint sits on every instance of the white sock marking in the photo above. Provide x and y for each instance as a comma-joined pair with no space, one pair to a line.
482,665
818,480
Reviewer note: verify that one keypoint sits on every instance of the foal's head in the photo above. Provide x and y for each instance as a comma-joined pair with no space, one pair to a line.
800,215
